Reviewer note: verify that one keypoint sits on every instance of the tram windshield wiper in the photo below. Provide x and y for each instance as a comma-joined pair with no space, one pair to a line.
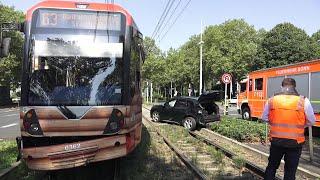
67,112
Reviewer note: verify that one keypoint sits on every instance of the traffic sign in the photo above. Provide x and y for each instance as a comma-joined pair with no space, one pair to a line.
226,78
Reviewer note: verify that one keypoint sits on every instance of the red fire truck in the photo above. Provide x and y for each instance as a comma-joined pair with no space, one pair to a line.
262,84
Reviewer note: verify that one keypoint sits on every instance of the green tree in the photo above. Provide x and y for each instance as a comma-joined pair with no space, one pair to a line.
150,47
229,47
316,43
10,66
154,66
189,54
284,44
316,36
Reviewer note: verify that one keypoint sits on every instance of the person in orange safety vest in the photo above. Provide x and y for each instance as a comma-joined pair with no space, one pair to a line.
288,114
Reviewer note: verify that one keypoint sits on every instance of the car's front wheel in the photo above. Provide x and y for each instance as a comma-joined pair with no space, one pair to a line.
155,116
190,123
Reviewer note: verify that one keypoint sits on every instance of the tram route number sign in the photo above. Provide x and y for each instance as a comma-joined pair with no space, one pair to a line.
226,78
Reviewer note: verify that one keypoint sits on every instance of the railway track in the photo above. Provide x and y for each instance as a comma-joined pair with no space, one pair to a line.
109,170
202,173
249,165
198,173
255,160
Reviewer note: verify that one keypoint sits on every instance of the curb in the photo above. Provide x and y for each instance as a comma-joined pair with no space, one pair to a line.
301,169
6,172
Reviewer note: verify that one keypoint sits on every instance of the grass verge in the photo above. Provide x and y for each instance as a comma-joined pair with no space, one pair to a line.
8,153
240,130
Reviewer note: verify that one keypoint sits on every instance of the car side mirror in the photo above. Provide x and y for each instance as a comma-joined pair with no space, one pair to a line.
5,46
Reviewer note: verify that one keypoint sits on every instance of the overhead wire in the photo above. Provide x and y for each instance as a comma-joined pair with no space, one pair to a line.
177,17
170,17
165,9
163,16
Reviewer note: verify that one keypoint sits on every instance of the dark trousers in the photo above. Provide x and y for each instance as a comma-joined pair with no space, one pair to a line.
291,158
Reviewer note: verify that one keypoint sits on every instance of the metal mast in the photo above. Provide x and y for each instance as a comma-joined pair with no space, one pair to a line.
200,43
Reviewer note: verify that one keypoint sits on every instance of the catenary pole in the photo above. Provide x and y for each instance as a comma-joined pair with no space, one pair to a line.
200,43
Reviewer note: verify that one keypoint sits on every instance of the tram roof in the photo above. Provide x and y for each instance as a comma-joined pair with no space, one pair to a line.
65,4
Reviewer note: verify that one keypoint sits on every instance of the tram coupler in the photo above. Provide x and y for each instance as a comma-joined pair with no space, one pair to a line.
19,141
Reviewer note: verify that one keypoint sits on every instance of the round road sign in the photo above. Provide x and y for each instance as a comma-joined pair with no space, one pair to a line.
226,78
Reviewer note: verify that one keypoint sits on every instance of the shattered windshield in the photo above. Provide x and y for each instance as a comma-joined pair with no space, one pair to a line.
76,70
76,58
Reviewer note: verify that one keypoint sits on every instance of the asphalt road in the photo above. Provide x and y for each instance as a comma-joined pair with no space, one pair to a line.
9,123
232,110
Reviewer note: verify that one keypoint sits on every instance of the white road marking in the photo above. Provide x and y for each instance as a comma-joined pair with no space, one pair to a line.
9,125
9,115
9,110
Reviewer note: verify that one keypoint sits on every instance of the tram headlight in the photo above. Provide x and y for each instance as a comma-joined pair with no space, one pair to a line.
115,122
113,125
34,127
31,123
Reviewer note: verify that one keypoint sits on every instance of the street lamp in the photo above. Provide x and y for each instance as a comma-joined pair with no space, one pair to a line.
201,44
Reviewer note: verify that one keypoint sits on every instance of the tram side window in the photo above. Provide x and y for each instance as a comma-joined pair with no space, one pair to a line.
250,84
258,84
135,65
138,64
314,91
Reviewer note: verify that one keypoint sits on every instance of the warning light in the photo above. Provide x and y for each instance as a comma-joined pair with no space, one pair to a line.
82,6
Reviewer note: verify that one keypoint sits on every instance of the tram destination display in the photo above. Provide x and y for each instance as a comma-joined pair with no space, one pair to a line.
70,19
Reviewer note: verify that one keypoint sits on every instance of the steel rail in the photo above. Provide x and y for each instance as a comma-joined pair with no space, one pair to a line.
178,152
250,166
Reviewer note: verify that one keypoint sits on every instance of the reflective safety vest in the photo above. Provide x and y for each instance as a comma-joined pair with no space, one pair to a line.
287,118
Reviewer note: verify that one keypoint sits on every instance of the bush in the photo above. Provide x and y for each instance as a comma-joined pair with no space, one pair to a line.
240,130
8,151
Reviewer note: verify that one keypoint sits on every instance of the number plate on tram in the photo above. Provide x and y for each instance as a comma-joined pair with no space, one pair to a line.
72,147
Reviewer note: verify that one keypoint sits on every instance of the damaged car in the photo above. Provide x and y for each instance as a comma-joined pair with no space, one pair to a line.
190,112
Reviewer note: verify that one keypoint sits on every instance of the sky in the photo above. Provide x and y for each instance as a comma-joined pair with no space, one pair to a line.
261,14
